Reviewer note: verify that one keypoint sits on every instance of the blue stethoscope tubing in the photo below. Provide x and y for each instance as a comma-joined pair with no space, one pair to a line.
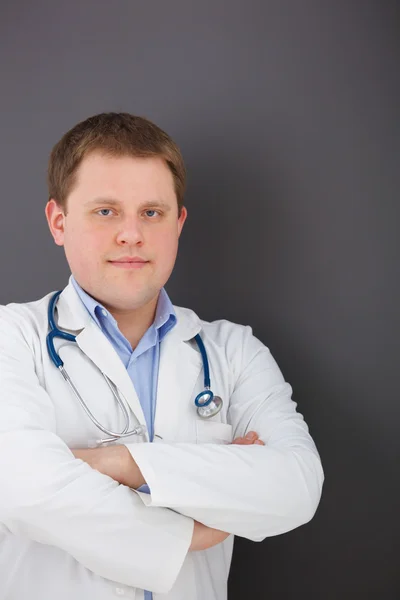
57,333
207,404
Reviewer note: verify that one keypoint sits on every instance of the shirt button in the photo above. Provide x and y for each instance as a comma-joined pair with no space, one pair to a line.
119,591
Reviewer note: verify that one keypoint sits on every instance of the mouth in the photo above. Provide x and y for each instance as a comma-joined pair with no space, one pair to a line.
129,264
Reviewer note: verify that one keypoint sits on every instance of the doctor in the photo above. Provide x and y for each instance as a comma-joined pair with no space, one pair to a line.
154,513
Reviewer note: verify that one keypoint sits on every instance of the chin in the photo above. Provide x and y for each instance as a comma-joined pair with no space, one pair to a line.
131,300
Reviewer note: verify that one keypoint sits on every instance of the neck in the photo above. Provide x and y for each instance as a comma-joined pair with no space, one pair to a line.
134,324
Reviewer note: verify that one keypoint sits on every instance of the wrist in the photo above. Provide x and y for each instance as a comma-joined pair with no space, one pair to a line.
206,537
129,473
115,461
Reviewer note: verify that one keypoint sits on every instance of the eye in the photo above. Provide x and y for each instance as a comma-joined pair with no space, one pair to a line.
151,213
104,212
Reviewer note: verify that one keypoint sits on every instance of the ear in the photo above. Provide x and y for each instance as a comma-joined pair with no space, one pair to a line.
55,218
182,219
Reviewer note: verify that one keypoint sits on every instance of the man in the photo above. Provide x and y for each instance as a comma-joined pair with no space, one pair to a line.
154,509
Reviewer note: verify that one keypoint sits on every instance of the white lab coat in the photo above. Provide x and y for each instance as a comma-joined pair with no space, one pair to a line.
67,531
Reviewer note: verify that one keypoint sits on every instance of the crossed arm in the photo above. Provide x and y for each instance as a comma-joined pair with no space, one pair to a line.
117,462
50,497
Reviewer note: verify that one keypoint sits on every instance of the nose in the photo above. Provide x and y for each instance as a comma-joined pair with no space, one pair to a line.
130,232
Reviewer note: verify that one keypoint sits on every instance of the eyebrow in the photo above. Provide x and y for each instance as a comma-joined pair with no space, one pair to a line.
113,202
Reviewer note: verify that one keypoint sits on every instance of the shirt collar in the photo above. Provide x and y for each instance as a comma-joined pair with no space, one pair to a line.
165,317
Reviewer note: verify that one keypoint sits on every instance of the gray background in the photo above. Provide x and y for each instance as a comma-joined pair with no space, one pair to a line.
287,113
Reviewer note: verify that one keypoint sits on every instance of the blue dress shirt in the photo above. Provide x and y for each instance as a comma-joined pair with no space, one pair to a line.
143,362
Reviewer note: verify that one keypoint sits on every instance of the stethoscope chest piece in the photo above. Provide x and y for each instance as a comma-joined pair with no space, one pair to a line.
211,409
207,404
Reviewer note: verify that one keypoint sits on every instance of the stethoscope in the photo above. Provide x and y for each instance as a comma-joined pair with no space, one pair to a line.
207,404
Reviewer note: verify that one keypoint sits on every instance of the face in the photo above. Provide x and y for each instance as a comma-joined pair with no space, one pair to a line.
120,208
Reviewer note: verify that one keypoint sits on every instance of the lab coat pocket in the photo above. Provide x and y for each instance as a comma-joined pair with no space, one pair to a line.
211,432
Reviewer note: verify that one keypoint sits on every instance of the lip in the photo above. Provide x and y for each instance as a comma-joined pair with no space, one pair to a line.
129,262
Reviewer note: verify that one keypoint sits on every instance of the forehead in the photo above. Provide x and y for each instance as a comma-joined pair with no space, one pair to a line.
124,175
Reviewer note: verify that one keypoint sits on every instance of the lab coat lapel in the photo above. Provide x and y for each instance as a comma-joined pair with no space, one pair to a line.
100,351
180,367
73,316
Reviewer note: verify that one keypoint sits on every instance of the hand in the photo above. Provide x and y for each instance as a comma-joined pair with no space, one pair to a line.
115,461
205,537
250,439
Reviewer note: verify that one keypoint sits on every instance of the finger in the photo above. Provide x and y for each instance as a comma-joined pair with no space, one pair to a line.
251,435
259,442
242,442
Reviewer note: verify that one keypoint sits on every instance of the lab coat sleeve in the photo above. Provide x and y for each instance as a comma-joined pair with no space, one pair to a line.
250,491
50,497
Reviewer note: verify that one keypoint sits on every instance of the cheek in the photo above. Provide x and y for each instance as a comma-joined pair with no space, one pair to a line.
85,236
167,246
83,244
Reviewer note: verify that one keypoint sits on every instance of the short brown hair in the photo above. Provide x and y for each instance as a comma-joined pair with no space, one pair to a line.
114,134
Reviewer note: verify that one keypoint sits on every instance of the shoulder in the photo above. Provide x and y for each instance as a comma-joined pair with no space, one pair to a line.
236,347
236,341
219,330
25,316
